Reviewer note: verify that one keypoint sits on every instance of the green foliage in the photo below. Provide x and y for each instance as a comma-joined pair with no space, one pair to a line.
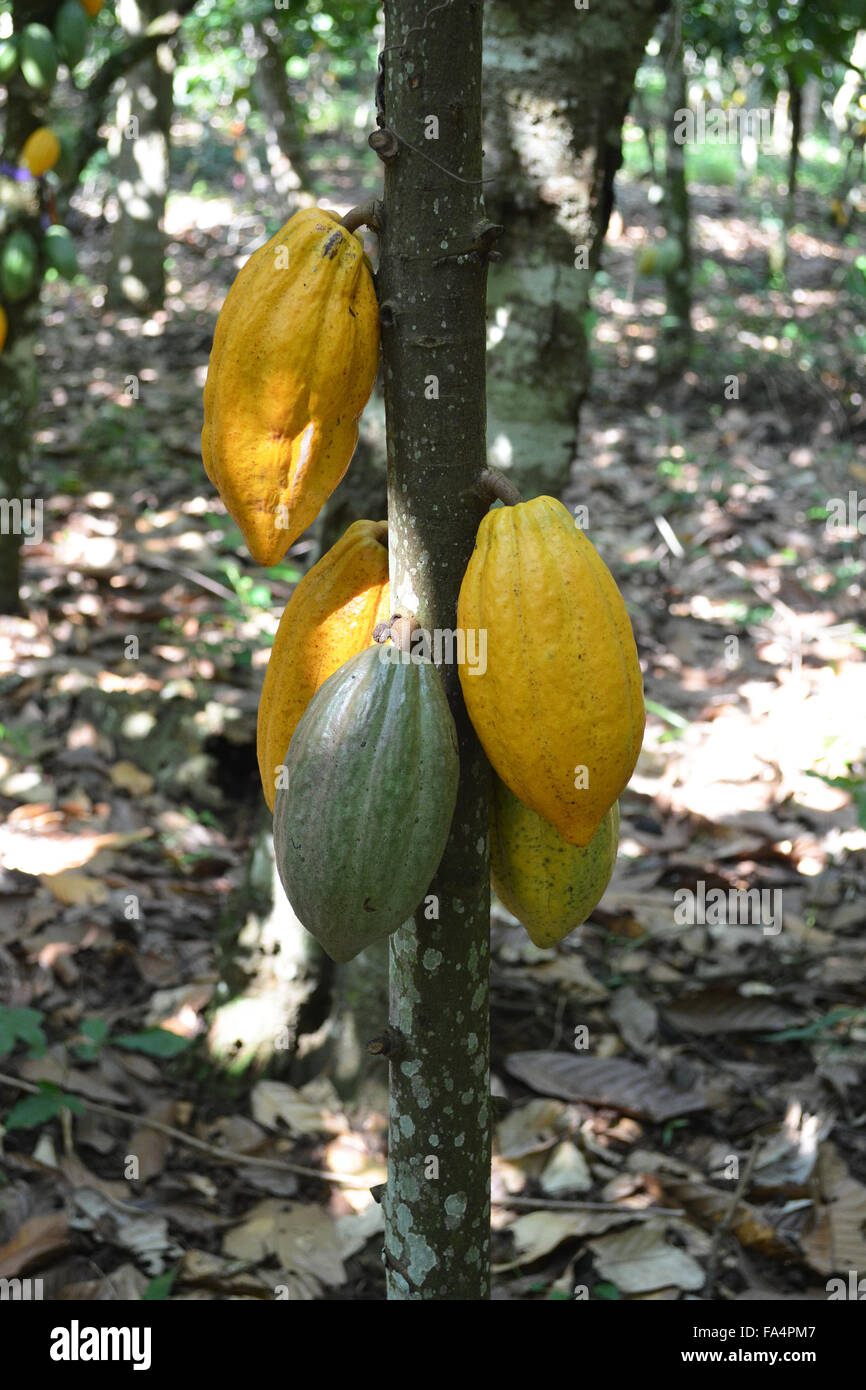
22,1025
160,1287
155,1042
71,32
38,56
47,1105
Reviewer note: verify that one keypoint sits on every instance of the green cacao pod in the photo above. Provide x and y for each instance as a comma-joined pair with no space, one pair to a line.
371,783
72,33
19,266
550,886
38,56
58,247
8,58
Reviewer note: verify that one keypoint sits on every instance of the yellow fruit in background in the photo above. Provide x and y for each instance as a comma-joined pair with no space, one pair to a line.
4,327
329,618
41,151
92,6
557,701
294,359
550,886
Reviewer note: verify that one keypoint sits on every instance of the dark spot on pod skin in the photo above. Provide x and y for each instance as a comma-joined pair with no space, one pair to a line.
332,245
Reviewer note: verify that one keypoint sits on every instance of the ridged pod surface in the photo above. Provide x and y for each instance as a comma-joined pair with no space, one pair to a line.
371,785
562,688
329,618
293,363
547,884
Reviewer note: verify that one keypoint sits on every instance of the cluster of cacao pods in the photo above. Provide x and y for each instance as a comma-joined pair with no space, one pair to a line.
27,251
557,706
357,747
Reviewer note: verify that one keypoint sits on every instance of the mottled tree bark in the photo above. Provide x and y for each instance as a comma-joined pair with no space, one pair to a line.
140,146
557,84
432,307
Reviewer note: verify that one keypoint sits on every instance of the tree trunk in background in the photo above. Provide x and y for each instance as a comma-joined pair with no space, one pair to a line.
437,1198
557,86
795,112
677,324
20,207
286,152
140,147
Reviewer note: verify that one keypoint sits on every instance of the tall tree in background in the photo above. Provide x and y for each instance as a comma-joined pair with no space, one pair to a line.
558,81
140,144
677,334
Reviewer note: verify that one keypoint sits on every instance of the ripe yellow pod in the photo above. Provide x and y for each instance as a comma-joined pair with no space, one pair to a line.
294,360
558,702
329,618
40,151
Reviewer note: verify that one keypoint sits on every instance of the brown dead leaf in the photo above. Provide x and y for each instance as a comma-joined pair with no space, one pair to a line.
129,778
36,1239
621,1084
723,1010
75,890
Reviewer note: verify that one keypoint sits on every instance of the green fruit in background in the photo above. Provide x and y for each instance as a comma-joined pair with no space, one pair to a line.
58,249
72,32
550,886
8,57
38,56
19,266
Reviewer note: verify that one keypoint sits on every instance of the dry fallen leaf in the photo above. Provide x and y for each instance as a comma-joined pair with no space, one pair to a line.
639,1260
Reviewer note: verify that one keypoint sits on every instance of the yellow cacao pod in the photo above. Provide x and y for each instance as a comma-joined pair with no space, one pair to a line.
4,327
329,618
293,363
558,701
40,151
547,884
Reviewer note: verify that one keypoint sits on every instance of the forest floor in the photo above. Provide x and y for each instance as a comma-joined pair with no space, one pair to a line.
705,1135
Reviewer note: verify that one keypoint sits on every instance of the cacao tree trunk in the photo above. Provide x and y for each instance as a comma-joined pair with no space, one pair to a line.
557,84
431,293
140,146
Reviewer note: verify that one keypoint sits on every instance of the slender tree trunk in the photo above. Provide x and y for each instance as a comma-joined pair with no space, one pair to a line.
286,152
24,109
432,307
677,325
795,111
140,145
